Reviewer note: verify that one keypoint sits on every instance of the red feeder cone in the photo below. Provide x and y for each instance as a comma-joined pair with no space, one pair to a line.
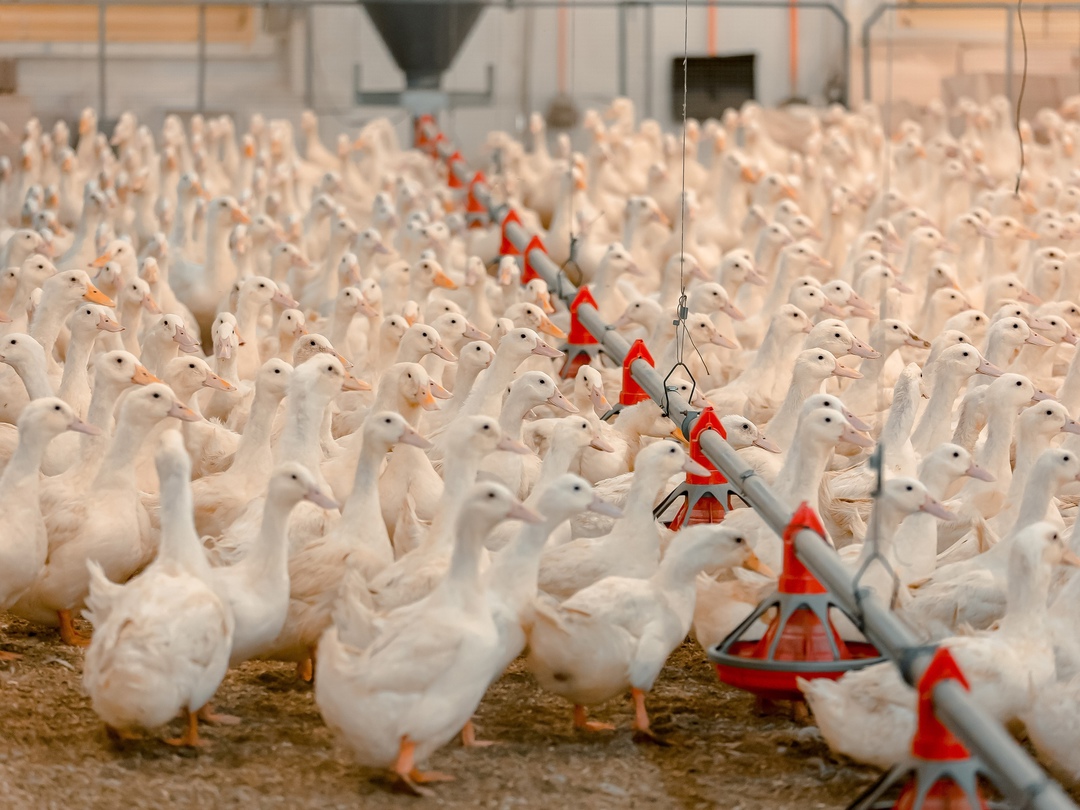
581,347
506,247
452,180
475,212
706,498
421,129
631,393
528,272
941,774
801,640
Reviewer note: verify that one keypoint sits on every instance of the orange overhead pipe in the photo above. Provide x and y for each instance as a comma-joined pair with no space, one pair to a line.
793,47
561,49
712,28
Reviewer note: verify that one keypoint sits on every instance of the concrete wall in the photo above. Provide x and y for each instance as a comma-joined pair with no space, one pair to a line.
269,75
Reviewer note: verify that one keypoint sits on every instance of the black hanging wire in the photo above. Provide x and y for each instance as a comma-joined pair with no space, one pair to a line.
1020,97
681,313
873,538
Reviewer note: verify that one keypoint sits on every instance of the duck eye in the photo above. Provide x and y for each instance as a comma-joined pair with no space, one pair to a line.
56,407
739,541
828,419
491,494
293,476
956,455
157,396
1018,383
277,370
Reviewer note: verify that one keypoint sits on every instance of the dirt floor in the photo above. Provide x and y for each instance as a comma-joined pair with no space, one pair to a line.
54,752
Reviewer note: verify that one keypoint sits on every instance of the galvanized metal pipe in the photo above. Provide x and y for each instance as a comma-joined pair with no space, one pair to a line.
1015,773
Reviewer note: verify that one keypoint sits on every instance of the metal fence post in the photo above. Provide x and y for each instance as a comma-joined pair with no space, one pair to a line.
200,63
102,36
309,57
1009,54
647,59
620,12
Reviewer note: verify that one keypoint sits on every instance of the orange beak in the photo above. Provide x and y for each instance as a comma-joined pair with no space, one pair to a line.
96,296
150,305
142,376
353,384
550,328
344,362
101,260
754,564
581,185
748,175
240,217
443,280
428,401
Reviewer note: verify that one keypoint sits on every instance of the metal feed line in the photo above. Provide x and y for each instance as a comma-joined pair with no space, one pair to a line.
1018,776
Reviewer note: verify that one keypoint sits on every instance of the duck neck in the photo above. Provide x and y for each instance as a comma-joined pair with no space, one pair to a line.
179,540
217,254
25,462
1039,491
463,576
117,469
463,384
901,419
937,418
801,474
271,563
75,377
999,431
301,438
361,516
47,323
35,379
1025,596
253,451
1069,394
461,471
512,418
514,570
645,489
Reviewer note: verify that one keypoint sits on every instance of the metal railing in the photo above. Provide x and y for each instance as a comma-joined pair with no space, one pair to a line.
305,8
1006,8
1015,773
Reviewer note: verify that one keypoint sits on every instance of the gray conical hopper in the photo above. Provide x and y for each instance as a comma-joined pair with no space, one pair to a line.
424,38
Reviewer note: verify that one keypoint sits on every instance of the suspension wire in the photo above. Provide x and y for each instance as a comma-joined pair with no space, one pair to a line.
872,540
682,312
1020,97
574,238
888,118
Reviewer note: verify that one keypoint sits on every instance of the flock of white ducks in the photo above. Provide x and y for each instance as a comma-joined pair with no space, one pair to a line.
322,421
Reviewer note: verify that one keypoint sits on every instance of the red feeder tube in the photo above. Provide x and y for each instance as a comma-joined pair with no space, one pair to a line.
941,774
801,640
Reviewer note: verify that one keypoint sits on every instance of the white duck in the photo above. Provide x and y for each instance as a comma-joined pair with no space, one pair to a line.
619,631
23,553
394,704
161,642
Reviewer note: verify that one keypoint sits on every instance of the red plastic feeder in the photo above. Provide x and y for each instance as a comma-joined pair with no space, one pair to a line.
452,180
706,498
422,126
506,247
941,774
631,393
528,272
475,212
581,347
801,640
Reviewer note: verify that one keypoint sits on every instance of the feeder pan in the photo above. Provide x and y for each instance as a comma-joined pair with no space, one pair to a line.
941,774
631,393
706,498
801,640
581,347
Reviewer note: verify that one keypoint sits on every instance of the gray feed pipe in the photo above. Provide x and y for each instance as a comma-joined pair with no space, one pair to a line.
1016,774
